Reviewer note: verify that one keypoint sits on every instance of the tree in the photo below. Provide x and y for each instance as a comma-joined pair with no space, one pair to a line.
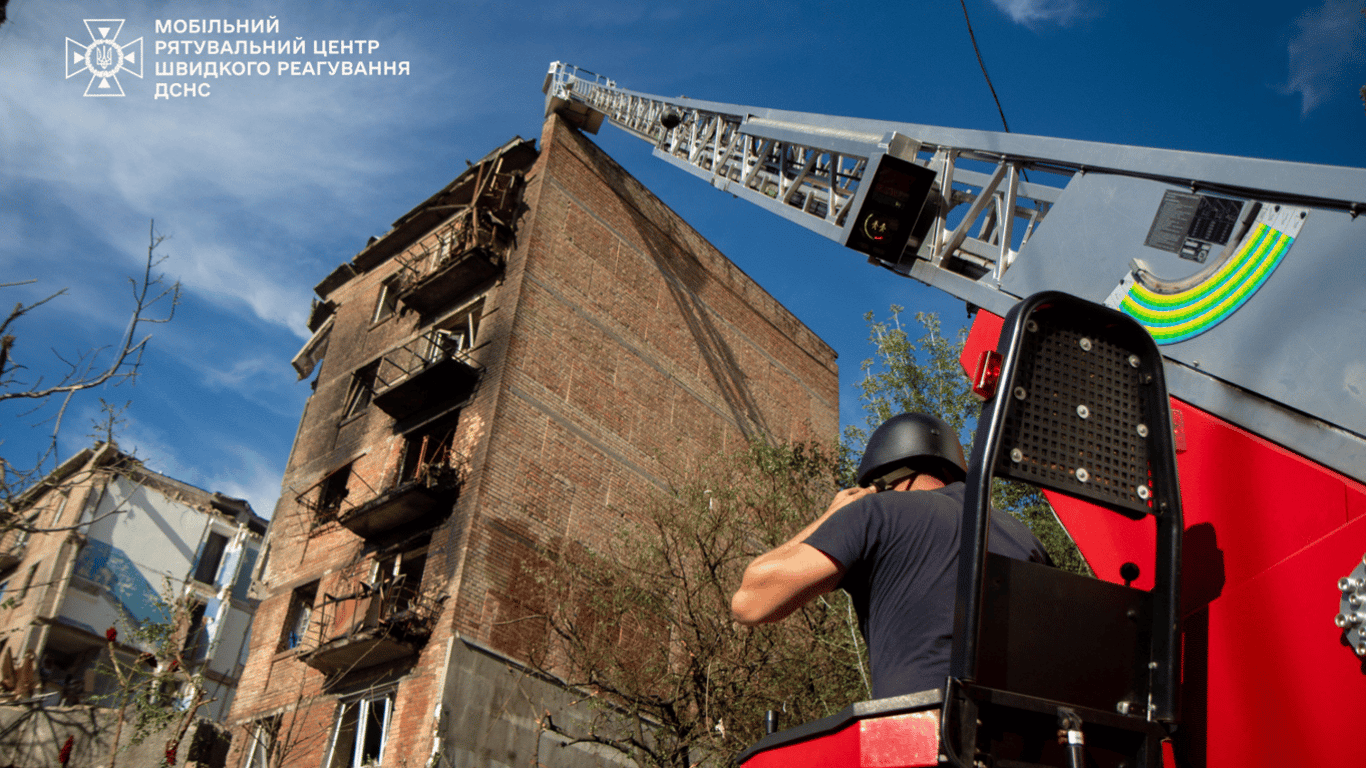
924,375
644,628
153,302
163,687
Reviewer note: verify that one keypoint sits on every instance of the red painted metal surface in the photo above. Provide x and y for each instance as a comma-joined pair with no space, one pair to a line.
899,741
908,740
835,750
1267,679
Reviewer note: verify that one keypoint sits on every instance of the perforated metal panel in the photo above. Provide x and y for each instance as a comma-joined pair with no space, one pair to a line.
1076,421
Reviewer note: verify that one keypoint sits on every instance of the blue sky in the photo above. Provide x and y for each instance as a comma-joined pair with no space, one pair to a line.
269,182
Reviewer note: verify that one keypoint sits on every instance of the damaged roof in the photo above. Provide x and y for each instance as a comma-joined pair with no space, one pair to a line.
516,155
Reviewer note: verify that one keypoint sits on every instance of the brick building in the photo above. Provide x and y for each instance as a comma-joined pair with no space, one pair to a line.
113,540
517,360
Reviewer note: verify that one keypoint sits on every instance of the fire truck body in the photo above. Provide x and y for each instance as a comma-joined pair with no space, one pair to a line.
1242,270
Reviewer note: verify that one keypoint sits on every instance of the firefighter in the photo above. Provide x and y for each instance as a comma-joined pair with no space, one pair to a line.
892,543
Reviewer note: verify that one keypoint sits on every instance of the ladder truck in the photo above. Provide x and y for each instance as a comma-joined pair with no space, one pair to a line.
1171,336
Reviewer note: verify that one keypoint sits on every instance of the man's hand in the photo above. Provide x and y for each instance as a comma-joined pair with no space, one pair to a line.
844,498
781,580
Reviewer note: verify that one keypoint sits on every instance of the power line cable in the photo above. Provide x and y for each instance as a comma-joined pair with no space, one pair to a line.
983,65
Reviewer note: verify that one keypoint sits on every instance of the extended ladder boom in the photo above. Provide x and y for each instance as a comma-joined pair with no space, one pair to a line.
1180,240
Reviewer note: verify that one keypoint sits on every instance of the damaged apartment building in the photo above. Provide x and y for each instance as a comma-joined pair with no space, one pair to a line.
106,543
518,362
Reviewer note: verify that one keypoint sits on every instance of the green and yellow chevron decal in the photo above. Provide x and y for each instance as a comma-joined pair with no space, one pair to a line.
1187,313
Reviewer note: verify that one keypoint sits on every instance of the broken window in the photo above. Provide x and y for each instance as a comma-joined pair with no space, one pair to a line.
362,725
455,334
361,392
210,557
300,612
332,493
429,452
398,578
196,636
387,303
241,587
261,747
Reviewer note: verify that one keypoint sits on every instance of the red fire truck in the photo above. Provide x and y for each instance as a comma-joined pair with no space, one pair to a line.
1142,315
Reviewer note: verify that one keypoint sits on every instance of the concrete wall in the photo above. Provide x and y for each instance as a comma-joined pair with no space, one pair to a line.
494,715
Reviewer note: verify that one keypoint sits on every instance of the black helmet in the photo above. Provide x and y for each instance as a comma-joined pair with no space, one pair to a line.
910,436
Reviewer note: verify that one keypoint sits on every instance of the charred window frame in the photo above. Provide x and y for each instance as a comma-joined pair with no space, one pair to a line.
332,492
398,575
429,451
361,391
455,334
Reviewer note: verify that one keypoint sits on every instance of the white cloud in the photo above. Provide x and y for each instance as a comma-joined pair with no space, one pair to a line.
1326,40
1032,13
238,177
237,470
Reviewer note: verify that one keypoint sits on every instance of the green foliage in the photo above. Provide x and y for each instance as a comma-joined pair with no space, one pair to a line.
645,627
923,375
158,686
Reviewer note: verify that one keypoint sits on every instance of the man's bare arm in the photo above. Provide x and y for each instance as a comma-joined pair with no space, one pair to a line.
783,579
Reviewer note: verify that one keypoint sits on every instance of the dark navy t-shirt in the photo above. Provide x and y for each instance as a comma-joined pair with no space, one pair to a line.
899,550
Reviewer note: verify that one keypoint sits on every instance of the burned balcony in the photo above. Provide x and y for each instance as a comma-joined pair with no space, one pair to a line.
416,502
432,369
418,496
469,251
377,623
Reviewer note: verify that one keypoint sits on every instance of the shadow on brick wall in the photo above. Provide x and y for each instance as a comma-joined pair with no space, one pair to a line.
32,737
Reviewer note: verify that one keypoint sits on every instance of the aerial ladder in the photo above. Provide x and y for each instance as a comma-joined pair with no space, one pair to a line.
1212,309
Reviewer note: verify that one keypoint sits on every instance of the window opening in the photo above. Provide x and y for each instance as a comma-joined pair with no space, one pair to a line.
361,392
362,726
387,303
28,583
26,532
333,492
241,587
429,453
300,612
263,735
196,636
398,578
454,335
206,572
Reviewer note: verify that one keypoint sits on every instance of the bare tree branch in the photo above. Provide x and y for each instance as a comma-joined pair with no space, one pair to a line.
153,301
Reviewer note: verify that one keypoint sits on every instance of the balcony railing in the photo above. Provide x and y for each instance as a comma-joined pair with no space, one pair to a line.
330,499
432,368
375,624
469,251
413,502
